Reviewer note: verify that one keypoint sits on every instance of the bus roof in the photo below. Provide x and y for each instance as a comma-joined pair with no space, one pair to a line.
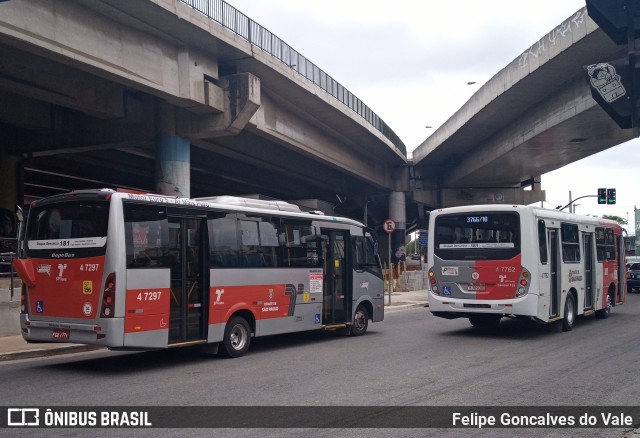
537,211
240,204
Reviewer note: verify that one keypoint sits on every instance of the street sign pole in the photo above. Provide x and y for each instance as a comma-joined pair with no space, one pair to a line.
389,227
390,269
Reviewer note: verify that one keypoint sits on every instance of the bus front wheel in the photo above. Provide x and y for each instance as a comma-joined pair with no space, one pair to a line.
569,314
360,321
237,337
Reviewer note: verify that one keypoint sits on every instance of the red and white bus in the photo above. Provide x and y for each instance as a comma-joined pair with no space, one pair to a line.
486,262
142,271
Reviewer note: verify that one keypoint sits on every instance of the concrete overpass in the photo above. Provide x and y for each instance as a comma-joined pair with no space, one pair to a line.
90,89
534,116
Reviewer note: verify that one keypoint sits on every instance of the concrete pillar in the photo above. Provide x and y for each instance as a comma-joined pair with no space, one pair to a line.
173,155
398,214
173,166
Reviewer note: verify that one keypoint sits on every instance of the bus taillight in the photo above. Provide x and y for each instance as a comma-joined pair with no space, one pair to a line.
523,283
433,282
108,297
24,308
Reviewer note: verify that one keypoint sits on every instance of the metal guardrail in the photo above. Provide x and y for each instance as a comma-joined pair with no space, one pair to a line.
234,20
6,259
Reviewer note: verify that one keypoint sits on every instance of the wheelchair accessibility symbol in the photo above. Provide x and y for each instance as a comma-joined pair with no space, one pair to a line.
446,290
317,318
39,306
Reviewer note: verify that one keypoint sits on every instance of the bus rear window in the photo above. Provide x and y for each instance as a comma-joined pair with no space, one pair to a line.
69,225
477,236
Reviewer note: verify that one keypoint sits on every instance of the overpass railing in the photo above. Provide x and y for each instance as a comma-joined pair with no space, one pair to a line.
225,14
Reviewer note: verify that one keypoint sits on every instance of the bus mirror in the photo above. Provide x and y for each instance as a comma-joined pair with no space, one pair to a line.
20,216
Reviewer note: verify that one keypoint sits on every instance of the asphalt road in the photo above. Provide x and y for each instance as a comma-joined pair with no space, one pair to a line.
410,359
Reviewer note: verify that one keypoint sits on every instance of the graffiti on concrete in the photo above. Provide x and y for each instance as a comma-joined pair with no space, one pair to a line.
554,37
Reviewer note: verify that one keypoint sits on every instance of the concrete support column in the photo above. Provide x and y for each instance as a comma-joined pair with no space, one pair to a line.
173,166
173,156
398,214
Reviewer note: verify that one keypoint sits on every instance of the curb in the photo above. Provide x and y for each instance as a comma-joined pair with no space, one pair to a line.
46,352
405,305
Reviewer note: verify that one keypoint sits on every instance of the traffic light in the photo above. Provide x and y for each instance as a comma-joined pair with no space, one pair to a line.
613,18
602,196
611,196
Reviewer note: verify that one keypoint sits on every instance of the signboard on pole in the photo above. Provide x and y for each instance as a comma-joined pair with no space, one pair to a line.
423,239
389,226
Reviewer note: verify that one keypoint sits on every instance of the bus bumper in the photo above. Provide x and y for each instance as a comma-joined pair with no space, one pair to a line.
451,308
102,332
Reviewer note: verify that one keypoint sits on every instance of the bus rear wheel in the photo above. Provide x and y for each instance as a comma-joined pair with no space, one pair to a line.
360,321
569,314
485,321
237,337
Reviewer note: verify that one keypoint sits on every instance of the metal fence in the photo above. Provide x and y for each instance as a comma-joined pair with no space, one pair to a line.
8,249
236,21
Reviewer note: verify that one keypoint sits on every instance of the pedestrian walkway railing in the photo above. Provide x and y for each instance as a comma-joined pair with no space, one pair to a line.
8,248
225,14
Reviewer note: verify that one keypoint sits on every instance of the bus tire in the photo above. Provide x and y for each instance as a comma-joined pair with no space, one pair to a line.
569,313
237,337
604,313
360,321
491,322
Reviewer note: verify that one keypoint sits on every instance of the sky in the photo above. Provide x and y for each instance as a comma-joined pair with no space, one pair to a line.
410,62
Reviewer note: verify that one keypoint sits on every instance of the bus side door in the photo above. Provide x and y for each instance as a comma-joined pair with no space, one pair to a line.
546,270
188,277
336,293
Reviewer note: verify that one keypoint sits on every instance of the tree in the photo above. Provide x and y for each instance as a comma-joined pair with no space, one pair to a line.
612,217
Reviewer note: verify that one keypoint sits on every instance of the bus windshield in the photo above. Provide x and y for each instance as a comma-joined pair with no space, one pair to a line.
72,226
477,236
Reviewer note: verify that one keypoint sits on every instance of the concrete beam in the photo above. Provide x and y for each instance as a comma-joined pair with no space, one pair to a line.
129,55
239,96
498,195
287,125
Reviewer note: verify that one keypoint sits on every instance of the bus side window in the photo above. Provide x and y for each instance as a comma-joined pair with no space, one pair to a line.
542,241
570,242
223,242
298,244
146,236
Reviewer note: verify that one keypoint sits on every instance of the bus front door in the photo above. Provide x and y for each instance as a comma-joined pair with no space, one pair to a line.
589,270
335,292
187,280
554,265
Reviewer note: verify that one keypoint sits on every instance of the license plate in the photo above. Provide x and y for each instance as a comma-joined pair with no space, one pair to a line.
61,334
476,287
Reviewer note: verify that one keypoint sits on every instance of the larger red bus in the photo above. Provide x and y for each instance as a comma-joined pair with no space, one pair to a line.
141,271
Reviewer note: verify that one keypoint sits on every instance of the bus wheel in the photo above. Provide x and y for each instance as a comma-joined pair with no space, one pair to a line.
237,337
569,313
604,313
485,321
360,321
